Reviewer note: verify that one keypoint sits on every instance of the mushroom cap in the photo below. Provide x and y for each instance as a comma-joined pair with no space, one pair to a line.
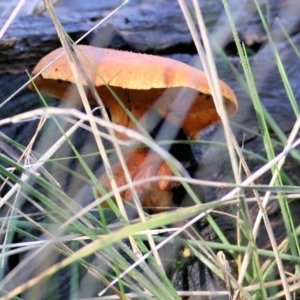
179,92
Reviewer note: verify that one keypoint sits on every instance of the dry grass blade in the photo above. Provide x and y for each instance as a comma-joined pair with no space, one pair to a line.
41,161
41,8
88,242
76,42
224,262
210,69
180,230
270,232
197,294
280,163
73,63
25,154
14,189
44,245
11,18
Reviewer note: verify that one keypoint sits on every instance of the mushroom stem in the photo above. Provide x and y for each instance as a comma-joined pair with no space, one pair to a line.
143,163
181,150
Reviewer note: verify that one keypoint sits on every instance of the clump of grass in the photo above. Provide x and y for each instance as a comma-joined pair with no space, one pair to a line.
66,235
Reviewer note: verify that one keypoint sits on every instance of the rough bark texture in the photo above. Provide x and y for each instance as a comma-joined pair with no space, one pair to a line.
161,29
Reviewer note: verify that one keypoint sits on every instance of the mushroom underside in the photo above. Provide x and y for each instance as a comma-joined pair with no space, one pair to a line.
183,107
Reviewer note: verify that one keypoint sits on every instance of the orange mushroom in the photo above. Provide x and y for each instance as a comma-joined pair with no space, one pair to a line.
142,82
178,92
